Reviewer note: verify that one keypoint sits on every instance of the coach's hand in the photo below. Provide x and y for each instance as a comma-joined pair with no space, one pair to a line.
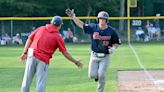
23,57
70,12
78,64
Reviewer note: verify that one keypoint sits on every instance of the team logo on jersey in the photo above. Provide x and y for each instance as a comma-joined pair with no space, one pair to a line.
105,43
96,35
99,37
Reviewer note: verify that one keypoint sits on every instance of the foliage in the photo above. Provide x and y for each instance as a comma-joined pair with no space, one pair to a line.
14,8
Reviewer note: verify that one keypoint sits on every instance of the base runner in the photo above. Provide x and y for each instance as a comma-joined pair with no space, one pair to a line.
104,41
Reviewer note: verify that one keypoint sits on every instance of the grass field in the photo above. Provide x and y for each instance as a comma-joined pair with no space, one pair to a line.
63,76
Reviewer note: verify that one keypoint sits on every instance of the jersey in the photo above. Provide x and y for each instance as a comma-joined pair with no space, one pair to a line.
101,40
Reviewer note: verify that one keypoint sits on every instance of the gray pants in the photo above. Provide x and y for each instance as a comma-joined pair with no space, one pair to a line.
33,66
98,68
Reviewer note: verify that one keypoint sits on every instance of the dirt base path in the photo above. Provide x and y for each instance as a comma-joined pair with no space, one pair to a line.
137,81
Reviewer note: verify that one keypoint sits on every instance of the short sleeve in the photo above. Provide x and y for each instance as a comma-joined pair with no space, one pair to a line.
116,39
88,28
61,44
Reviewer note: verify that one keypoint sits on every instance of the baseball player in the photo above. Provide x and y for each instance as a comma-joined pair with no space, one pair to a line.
39,48
104,41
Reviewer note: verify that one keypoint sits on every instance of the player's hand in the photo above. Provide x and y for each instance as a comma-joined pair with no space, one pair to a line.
79,64
112,49
70,12
23,58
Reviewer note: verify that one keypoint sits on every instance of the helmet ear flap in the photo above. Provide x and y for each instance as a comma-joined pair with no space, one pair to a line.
107,21
97,20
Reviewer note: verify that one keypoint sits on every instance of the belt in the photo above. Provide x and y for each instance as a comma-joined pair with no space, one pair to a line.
99,55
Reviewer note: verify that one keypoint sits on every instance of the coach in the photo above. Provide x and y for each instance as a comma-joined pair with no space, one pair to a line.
39,48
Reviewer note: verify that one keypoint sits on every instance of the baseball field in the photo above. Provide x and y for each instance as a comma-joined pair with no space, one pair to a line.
64,76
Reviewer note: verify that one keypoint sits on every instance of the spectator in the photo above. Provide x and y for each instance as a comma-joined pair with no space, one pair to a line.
3,42
140,34
151,31
156,21
147,25
157,26
162,32
17,40
6,38
75,40
64,34
146,38
69,35
158,33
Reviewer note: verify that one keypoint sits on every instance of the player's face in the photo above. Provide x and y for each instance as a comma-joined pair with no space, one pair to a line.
102,21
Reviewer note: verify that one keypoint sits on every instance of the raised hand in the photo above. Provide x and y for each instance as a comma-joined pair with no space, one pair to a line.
70,12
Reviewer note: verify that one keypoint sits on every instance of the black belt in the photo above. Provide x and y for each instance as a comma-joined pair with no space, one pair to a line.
99,55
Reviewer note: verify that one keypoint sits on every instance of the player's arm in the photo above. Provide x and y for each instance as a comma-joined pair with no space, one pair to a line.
113,48
69,57
77,21
116,44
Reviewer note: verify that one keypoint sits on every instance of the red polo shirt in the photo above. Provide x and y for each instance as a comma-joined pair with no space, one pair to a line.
45,41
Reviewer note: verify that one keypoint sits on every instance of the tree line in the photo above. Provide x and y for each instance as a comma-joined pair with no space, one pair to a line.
45,8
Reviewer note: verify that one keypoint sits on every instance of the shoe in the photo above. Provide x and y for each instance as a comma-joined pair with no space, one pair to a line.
96,79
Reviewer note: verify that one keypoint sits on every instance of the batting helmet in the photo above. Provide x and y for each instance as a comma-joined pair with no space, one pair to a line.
57,20
103,15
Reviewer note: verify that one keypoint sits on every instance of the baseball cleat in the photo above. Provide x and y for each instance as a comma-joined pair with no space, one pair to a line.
96,79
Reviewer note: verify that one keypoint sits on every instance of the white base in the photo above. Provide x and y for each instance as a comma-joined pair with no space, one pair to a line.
159,82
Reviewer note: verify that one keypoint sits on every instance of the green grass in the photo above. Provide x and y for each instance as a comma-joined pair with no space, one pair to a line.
63,76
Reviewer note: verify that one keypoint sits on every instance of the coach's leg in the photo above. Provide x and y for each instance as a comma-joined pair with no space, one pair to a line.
28,74
41,75
103,66
93,67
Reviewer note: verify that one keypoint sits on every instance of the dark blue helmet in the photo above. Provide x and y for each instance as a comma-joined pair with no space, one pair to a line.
57,20
103,15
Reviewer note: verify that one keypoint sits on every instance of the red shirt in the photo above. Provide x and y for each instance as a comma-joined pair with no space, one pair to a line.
45,41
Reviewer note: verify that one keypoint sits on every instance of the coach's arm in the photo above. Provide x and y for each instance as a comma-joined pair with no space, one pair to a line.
24,54
70,58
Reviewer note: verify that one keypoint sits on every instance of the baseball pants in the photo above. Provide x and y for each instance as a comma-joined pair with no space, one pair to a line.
98,68
33,65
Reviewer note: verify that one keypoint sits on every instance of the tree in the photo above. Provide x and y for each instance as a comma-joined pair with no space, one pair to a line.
14,8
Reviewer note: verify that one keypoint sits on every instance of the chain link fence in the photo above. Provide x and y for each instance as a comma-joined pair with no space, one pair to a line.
141,30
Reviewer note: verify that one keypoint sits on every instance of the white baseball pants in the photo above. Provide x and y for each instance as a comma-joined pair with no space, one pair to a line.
98,68
33,65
